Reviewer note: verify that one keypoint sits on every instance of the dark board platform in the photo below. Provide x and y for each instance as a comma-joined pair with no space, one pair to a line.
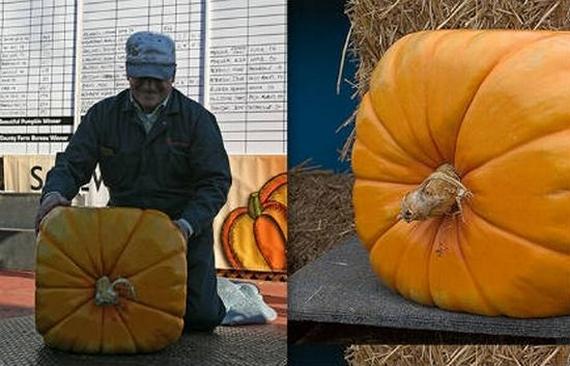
340,288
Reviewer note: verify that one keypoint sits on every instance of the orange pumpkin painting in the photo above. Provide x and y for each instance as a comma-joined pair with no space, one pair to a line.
254,237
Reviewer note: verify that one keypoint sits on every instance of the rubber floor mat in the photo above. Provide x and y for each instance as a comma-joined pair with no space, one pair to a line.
340,287
21,345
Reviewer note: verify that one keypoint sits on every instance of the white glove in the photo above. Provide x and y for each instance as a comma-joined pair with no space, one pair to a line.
185,228
50,201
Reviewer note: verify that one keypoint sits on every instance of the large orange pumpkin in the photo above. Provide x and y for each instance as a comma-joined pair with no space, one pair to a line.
255,237
462,166
110,280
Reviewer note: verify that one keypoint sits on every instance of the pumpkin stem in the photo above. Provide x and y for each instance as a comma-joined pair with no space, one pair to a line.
105,291
439,194
254,206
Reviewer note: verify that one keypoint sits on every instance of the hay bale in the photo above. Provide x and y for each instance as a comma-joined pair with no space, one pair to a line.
377,24
458,355
320,213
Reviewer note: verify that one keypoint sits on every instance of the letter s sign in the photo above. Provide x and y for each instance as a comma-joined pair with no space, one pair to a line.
40,182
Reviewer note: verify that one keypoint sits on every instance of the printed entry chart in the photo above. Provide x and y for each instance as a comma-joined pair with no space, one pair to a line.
108,23
247,56
37,65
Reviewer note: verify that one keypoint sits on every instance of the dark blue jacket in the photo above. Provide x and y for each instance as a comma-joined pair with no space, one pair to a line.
180,167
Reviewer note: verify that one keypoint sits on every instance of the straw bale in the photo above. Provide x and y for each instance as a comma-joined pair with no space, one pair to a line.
320,213
377,24
458,355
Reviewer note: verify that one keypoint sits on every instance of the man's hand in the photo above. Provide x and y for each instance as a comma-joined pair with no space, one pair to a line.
50,201
184,228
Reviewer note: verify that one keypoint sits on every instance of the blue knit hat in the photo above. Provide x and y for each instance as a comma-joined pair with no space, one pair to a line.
151,55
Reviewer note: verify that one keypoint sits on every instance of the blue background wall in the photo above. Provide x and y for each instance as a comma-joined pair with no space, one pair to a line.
317,31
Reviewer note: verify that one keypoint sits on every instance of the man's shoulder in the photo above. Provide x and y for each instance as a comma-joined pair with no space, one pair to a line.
190,104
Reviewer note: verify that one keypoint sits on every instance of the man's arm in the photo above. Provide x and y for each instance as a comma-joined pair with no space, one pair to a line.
75,166
210,173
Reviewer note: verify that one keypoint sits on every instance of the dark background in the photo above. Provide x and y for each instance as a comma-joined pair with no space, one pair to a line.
317,30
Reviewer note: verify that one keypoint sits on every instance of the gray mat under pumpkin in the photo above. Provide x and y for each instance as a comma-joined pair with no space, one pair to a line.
340,287
21,345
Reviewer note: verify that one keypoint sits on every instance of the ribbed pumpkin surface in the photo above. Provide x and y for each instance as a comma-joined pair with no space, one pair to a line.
78,246
496,106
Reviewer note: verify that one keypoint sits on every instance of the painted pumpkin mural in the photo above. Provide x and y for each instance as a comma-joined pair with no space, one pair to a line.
118,272
462,171
255,237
